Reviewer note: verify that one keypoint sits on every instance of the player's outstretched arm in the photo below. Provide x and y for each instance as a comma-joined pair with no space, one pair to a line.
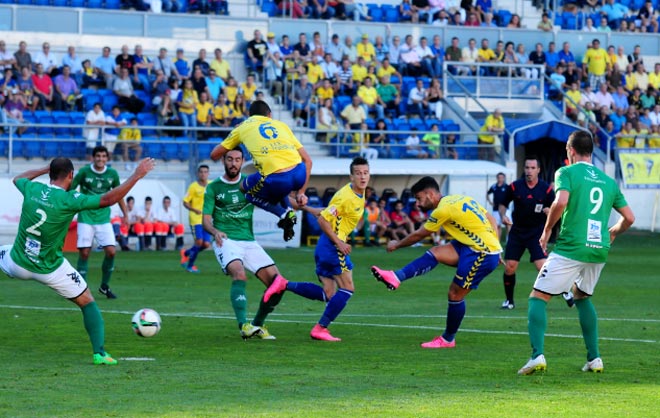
625,221
32,174
218,152
118,193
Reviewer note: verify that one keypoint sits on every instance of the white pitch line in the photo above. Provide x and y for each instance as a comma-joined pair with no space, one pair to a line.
231,317
221,315
137,359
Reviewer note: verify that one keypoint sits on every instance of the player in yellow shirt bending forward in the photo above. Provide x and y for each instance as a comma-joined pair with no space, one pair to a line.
475,250
194,202
283,164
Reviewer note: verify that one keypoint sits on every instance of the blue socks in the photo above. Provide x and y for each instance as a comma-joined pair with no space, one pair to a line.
307,290
417,267
455,314
192,255
274,208
335,306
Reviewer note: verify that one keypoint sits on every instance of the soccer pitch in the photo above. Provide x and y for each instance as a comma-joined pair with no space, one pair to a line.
198,366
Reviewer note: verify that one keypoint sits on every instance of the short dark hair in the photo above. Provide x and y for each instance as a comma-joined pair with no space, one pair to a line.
147,199
424,183
237,149
259,108
358,161
100,148
60,167
166,197
130,199
533,157
582,142
500,174
203,166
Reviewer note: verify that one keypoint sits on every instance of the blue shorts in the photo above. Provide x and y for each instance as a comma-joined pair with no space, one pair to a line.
276,186
473,267
329,261
520,240
199,232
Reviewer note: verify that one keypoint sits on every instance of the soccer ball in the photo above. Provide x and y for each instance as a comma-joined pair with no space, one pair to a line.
146,322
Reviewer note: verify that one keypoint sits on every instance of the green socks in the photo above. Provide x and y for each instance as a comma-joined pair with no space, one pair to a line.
82,267
239,301
94,326
537,322
589,324
266,308
107,268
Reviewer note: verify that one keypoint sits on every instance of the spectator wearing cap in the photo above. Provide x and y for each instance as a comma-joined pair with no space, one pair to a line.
596,63
365,49
171,6
321,9
182,65
201,62
220,65
256,52
271,46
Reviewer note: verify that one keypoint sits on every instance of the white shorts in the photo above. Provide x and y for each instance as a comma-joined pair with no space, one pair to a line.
559,273
250,253
498,218
65,280
104,234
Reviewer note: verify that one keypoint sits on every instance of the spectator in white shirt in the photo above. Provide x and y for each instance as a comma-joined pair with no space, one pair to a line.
335,49
95,118
7,59
655,116
603,98
48,60
329,67
167,221
426,58
417,99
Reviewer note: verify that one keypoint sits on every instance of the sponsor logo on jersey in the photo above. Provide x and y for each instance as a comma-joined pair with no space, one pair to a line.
45,194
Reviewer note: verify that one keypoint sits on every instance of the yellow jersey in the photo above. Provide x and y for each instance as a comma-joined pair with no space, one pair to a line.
314,73
654,141
248,91
369,95
359,72
204,111
324,93
465,220
231,92
596,60
195,198
130,134
272,144
654,80
368,52
221,68
189,97
491,122
385,71
222,112
344,211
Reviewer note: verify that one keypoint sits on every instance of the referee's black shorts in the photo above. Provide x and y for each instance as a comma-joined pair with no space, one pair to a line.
521,239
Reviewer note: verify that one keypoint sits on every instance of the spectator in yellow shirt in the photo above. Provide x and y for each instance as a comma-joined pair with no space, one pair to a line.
626,138
231,90
485,54
387,69
129,139
187,102
204,114
365,49
248,88
222,113
576,97
326,91
654,77
597,62
494,123
359,70
370,99
314,72
654,137
220,66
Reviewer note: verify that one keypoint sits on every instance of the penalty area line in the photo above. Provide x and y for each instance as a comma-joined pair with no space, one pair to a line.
277,320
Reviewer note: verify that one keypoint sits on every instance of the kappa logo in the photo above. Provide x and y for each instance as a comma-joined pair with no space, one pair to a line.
75,277
2,254
592,173
45,194
241,297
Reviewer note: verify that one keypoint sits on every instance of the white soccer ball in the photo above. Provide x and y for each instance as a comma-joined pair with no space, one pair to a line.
146,322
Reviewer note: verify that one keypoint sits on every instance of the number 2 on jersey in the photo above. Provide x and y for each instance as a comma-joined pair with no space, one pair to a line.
596,198
472,207
33,229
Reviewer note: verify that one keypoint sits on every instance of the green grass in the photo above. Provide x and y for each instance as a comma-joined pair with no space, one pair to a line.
203,368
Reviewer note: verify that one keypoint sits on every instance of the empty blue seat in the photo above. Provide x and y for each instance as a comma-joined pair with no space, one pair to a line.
45,130
109,102
112,4
94,4
30,147
62,120
391,15
50,148
77,3
92,99
60,3
41,2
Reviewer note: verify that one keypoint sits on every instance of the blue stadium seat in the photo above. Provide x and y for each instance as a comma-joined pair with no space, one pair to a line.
109,102
270,8
6,2
62,120
637,4
60,3
94,4
41,2
392,15
41,113
24,2
503,18
91,99
341,102
31,148
147,119
77,120
50,148
144,96
46,130
113,4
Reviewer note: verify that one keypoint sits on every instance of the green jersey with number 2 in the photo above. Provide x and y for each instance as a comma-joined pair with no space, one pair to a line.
92,182
46,214
231,212
584,234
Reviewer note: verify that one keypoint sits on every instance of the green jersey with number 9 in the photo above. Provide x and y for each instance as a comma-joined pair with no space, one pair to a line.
230,211
46,214
584,234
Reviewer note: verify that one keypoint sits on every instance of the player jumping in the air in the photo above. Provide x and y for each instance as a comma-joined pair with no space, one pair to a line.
284,165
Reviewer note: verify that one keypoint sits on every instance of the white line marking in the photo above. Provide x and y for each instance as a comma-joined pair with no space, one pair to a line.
229,316
137,359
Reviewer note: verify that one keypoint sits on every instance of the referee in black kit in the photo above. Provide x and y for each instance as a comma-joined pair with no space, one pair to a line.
531,199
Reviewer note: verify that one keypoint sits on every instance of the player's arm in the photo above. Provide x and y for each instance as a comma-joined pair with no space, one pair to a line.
301,198
411,239
625,221
493,223
218,236
556,210
118,193
218,152
32,174
325,226
124,210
